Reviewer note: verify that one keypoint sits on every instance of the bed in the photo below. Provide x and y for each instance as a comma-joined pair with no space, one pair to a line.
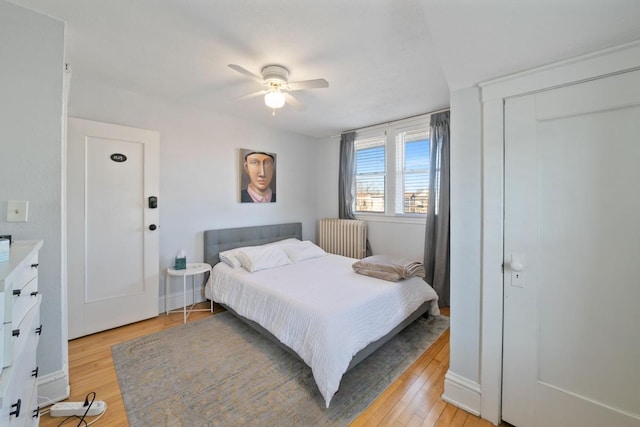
316,308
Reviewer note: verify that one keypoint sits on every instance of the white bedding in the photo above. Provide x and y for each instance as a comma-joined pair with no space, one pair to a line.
320,308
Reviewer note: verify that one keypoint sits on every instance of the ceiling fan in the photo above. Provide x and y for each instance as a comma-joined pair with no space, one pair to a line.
278,86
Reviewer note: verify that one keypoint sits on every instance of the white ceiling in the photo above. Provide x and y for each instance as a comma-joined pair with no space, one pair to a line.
384,59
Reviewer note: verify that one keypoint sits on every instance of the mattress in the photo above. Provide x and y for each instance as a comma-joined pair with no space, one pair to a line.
320,308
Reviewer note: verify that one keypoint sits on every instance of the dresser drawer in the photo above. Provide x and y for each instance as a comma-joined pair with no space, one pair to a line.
28,272
14,332
21,376
32,417
23,300
15,288
25,342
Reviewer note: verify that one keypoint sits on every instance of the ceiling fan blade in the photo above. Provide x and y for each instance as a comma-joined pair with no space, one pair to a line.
289,99
308,84
246,72
250,95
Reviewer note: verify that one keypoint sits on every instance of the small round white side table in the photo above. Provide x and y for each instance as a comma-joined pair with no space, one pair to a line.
193,269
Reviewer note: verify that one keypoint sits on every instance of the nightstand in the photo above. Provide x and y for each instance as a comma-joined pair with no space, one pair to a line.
193,269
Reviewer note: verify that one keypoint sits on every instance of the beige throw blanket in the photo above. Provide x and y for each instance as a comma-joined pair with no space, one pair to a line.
389,268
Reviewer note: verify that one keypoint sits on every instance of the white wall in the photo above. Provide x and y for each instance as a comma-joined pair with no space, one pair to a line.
462,383
397,238
32,51
199,167
327,180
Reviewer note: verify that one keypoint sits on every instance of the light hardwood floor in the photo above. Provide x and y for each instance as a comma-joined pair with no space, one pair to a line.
412,400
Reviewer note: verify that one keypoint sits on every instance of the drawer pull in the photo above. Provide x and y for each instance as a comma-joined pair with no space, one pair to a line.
36,412
34,293
15,333
39,330
17,406
34,373
34,265
17,292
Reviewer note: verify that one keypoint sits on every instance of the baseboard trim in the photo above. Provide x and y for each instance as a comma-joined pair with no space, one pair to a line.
53,388
461,392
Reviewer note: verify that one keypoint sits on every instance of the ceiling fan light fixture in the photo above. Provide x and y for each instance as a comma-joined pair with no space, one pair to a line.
277,90
274,99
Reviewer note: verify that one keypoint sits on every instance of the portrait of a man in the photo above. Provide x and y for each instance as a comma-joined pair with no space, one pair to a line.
258,177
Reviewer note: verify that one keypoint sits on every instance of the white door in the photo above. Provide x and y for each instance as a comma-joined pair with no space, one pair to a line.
113,240
572,256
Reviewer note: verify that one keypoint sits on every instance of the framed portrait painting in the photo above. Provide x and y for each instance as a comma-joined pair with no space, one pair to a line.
257,176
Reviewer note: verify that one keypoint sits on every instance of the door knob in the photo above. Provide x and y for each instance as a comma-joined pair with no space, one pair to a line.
516,263
152,227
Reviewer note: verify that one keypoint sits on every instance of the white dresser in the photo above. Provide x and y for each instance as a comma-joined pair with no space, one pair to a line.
19,331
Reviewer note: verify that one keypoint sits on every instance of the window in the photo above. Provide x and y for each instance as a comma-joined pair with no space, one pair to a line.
370,174
392,169
412,169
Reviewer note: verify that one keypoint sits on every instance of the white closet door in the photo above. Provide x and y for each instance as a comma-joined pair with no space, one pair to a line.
572,256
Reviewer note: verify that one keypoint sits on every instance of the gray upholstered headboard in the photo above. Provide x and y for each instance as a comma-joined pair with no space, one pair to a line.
216,241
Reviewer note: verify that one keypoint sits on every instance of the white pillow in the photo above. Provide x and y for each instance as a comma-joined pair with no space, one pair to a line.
300,251
262,257
285,241
230,257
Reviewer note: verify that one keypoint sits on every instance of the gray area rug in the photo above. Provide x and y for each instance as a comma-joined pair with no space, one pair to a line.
220,372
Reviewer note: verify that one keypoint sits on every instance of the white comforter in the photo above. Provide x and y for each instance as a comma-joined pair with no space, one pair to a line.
321,309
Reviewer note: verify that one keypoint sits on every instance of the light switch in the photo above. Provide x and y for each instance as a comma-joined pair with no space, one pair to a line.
17,211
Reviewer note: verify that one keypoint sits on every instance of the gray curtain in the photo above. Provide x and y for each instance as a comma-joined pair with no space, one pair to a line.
436,248
346,177
347,174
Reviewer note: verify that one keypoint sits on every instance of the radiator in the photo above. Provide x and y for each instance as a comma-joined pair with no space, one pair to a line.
347,237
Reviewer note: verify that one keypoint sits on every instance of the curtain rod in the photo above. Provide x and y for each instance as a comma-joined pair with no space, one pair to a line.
397,120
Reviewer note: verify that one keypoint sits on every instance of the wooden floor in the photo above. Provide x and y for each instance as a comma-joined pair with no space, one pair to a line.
412,400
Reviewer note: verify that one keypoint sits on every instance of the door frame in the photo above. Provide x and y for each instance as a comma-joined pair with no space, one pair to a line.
493,95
